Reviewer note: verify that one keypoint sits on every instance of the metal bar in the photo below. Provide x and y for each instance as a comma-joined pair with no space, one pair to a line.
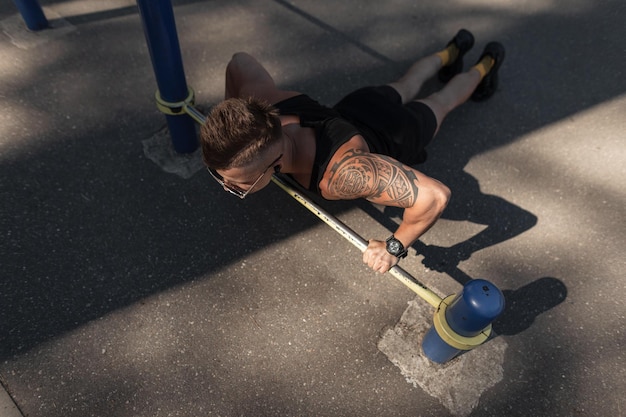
159,27
287,185
33,14
194,114
420,289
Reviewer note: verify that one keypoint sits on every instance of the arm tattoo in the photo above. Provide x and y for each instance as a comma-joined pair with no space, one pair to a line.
373,177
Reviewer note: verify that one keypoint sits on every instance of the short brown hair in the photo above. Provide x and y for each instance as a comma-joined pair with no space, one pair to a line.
236,130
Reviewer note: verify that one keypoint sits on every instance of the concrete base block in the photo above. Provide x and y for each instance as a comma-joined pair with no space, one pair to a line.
160,150
457,384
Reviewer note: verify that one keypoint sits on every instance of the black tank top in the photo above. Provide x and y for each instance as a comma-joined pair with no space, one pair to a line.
331,131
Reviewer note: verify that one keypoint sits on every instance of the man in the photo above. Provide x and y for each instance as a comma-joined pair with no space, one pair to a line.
361,148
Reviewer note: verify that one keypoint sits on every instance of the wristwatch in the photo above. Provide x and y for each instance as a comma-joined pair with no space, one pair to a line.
395,247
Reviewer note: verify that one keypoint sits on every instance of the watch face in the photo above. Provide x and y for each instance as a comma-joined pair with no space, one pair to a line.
394,246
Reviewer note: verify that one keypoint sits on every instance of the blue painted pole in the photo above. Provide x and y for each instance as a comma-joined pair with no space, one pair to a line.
160,30
32,14
461,321
436,349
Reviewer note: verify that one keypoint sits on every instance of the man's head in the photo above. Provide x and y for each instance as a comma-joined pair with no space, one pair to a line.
237,131
242,139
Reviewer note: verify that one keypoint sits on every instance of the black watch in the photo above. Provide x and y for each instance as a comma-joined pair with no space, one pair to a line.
395,247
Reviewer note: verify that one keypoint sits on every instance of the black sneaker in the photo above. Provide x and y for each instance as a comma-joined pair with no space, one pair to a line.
464,40
489,83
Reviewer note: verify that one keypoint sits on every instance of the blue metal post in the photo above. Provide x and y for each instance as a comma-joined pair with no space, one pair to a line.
32,14
480,303
465,316
160,30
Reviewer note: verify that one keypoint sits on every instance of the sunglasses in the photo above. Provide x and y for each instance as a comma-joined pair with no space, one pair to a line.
233,189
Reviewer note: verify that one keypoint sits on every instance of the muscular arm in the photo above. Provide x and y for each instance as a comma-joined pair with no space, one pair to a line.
383,180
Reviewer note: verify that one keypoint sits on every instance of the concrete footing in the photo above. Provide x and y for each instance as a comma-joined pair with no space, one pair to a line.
457,384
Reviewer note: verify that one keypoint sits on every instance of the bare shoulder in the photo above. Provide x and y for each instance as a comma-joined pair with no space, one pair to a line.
281,95
247,77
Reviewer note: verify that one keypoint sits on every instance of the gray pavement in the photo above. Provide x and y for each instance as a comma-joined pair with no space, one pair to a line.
126,290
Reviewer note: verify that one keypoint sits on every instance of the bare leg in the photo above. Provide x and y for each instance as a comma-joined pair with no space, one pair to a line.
409,85
455,93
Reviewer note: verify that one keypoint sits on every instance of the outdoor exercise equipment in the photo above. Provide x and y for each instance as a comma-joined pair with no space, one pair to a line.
32,13
157,17
461,321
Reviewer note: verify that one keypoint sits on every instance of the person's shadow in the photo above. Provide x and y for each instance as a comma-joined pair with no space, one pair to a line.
503,220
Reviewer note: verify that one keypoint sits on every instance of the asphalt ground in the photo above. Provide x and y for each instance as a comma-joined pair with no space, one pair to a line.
126,290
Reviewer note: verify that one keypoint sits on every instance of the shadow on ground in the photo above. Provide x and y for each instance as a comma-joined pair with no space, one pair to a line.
90,226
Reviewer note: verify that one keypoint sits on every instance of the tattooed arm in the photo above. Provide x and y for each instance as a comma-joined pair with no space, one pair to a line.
383,180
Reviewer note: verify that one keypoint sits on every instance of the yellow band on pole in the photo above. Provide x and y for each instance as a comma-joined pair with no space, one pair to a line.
450,336
174,108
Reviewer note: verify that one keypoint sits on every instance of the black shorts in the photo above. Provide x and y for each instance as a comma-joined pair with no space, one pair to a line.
389,127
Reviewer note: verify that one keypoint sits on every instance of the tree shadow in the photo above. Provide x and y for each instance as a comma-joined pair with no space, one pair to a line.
95,228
